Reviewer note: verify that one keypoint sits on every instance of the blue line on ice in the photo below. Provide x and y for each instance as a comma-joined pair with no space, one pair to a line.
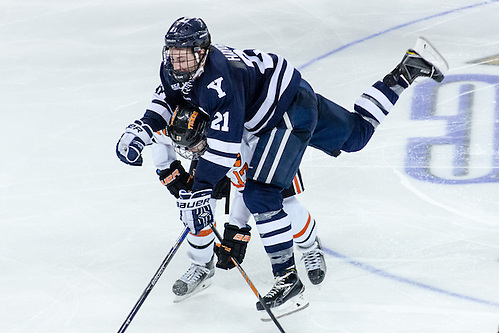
341,48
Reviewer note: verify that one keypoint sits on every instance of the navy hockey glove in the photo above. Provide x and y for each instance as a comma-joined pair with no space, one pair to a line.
195,209
175,178
129,147
233,245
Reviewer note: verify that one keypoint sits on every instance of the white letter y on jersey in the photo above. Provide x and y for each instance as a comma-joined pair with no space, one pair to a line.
217,85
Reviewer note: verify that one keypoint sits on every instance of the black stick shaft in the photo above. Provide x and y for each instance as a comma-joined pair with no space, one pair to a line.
155,279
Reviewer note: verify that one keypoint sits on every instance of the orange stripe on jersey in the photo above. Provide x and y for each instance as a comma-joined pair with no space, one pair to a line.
204,233
304,228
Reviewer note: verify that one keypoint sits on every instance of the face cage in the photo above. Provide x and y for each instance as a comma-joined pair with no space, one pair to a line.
187,154
182,76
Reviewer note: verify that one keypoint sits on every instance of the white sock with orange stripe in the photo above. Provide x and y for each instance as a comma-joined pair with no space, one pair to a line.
200,250
303,225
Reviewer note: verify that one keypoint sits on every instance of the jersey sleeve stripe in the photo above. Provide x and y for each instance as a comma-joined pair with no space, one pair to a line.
229,147
161,108
220,160
162,103
222,153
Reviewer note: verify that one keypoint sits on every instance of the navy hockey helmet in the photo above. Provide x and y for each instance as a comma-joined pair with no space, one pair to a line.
191,35
188,32
187,129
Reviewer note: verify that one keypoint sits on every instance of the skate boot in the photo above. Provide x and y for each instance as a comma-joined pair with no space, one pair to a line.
286,295
197,278
422,61
315,265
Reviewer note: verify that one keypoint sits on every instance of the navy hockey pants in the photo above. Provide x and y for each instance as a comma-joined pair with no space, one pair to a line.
312,120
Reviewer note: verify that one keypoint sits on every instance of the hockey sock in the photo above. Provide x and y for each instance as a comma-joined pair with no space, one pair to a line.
303,224
277,238
200,249
375,104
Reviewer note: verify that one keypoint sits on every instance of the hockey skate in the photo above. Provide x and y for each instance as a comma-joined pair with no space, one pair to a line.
424,61
195,279
315,265
285,297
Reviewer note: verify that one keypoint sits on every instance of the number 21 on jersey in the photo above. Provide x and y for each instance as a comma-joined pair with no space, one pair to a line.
220,122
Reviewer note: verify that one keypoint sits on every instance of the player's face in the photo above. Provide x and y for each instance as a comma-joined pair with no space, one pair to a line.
183,60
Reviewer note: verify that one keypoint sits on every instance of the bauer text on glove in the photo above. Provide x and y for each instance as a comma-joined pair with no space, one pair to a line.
233,245
195,209
175,178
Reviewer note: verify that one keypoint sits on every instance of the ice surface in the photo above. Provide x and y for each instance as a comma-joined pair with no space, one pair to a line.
410,224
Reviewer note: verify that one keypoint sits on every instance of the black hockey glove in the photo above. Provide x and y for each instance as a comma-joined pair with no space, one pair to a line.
175,178
222,189
233,245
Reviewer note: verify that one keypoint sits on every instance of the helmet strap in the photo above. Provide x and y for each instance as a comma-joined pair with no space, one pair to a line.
201,63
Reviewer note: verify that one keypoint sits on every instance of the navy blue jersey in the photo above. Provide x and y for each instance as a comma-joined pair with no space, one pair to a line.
239,90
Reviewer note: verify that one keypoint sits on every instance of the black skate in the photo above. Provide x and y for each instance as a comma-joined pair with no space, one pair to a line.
424,61
315,265
196,279
285,297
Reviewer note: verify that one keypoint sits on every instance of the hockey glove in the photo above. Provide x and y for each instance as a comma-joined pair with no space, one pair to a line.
233,245
129,147
222,188
175,178
195,209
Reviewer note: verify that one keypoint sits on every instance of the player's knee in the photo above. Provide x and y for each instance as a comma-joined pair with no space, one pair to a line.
361,135
261,198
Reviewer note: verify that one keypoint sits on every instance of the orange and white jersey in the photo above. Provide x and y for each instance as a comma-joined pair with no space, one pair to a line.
162,150
237,174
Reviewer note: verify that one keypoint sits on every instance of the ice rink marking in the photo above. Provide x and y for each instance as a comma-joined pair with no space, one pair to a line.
427,18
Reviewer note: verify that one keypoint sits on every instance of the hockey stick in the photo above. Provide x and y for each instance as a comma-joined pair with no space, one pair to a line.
155,279
252,286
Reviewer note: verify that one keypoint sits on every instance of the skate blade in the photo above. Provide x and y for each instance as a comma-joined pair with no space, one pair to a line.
293,305
429,53
202,286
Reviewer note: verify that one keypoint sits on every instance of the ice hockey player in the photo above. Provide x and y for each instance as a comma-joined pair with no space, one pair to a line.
250,91
187,128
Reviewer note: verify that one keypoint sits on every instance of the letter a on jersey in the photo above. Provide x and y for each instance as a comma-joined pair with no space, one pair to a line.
217,85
